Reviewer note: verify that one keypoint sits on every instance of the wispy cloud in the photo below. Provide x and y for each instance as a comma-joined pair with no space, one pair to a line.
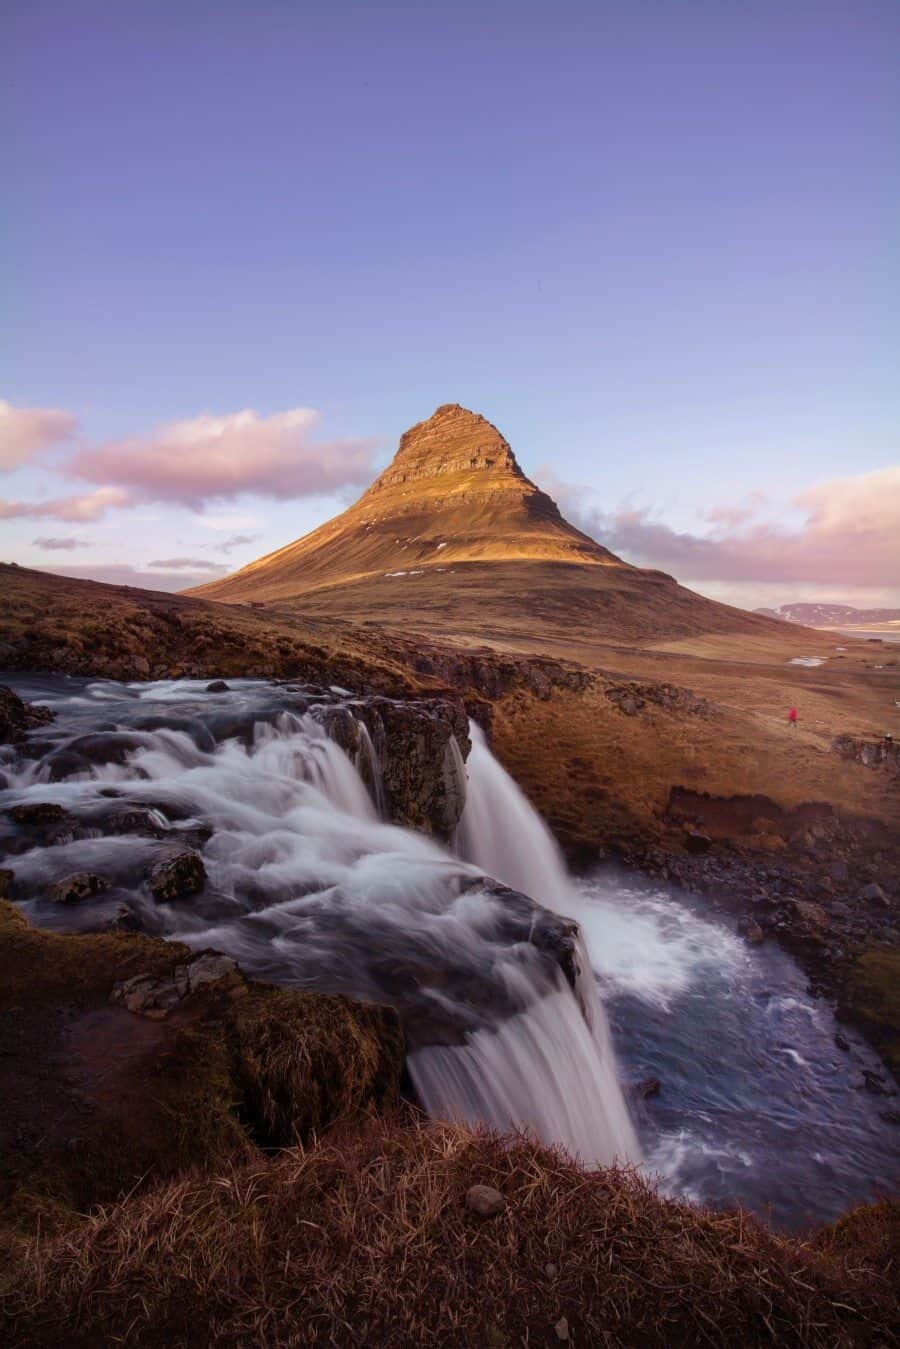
60,545
27,432
74,509
236,541
212,458
850,535
184,564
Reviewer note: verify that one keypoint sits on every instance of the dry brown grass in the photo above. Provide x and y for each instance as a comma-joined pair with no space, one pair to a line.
367,1241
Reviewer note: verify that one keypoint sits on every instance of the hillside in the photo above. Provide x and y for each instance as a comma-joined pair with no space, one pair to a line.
454,538
832,615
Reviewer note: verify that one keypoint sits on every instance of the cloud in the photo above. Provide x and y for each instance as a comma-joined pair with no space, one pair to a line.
74,509
122,574
185,564
28,432
850,536
212,458
236,541
62,545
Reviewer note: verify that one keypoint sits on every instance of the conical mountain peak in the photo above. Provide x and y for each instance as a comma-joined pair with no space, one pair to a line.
453,495
452,441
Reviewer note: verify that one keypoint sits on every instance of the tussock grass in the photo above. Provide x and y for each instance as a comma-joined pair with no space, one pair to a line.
366,1239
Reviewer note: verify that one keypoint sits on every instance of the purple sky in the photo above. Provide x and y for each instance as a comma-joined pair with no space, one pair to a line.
656,243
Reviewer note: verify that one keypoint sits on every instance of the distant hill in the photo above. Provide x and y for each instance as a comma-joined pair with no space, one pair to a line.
831,615
454,538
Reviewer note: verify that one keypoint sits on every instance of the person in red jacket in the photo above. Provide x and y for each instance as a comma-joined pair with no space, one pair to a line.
792,718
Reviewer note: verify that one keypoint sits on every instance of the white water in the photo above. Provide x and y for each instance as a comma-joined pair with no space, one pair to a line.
307,886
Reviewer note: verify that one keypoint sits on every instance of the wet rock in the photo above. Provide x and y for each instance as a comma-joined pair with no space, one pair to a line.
751,931
39,813
873,894
485,1201
134,821
91,751
79,886
177,877
18,717
6,879
809,917
155,997
646,1088
842,1042
875,1083
218,686
890,1116
695,842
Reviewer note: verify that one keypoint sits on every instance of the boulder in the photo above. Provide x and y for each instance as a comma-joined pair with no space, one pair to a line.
177,877
18,717
751,931
695,842
873,894
218,686
79,886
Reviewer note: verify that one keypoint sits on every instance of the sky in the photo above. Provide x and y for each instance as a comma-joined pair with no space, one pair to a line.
656,242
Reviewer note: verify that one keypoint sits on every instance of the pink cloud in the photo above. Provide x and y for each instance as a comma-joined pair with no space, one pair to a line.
850,537
59,545
75,509
218,458
28,432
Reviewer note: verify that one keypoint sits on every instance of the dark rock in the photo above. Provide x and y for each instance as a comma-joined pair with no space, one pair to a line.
873,894
6,879
177,877
696,842
18,717
39,813
875,1083
485,1201
218,686
79,886
751,931
646,1088
890,1116
842,1042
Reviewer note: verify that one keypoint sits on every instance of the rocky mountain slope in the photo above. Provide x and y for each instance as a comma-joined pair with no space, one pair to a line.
830,615
453,536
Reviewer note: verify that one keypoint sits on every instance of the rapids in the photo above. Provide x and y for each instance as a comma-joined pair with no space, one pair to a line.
308,885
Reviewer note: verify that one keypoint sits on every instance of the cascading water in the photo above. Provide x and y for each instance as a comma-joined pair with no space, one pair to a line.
307,886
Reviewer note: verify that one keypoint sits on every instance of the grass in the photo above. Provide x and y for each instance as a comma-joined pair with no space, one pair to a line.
366,1239
872,996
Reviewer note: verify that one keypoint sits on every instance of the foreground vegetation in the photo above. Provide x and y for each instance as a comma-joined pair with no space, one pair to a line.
367,1239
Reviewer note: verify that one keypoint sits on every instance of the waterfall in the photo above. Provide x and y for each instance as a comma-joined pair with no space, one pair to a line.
307,886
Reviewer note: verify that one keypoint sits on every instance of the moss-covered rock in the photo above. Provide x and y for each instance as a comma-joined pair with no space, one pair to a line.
872,999
98,1100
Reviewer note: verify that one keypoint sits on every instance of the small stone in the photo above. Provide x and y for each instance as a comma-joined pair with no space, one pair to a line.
218,686
551,1271
485,1201
647,1087
79,886
842,1042
562,1329
873,894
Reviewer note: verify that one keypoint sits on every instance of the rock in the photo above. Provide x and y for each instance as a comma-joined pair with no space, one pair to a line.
79,886
890,1116
147,995
561,1329
842,1042
647,1087
873,894
485,1201
808,916
177,877
41,812
18,717
218,686
695,842
551,1270
751,931
875,1083
6,879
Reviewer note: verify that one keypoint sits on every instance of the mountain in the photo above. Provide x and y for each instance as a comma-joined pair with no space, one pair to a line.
453,538
831,615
